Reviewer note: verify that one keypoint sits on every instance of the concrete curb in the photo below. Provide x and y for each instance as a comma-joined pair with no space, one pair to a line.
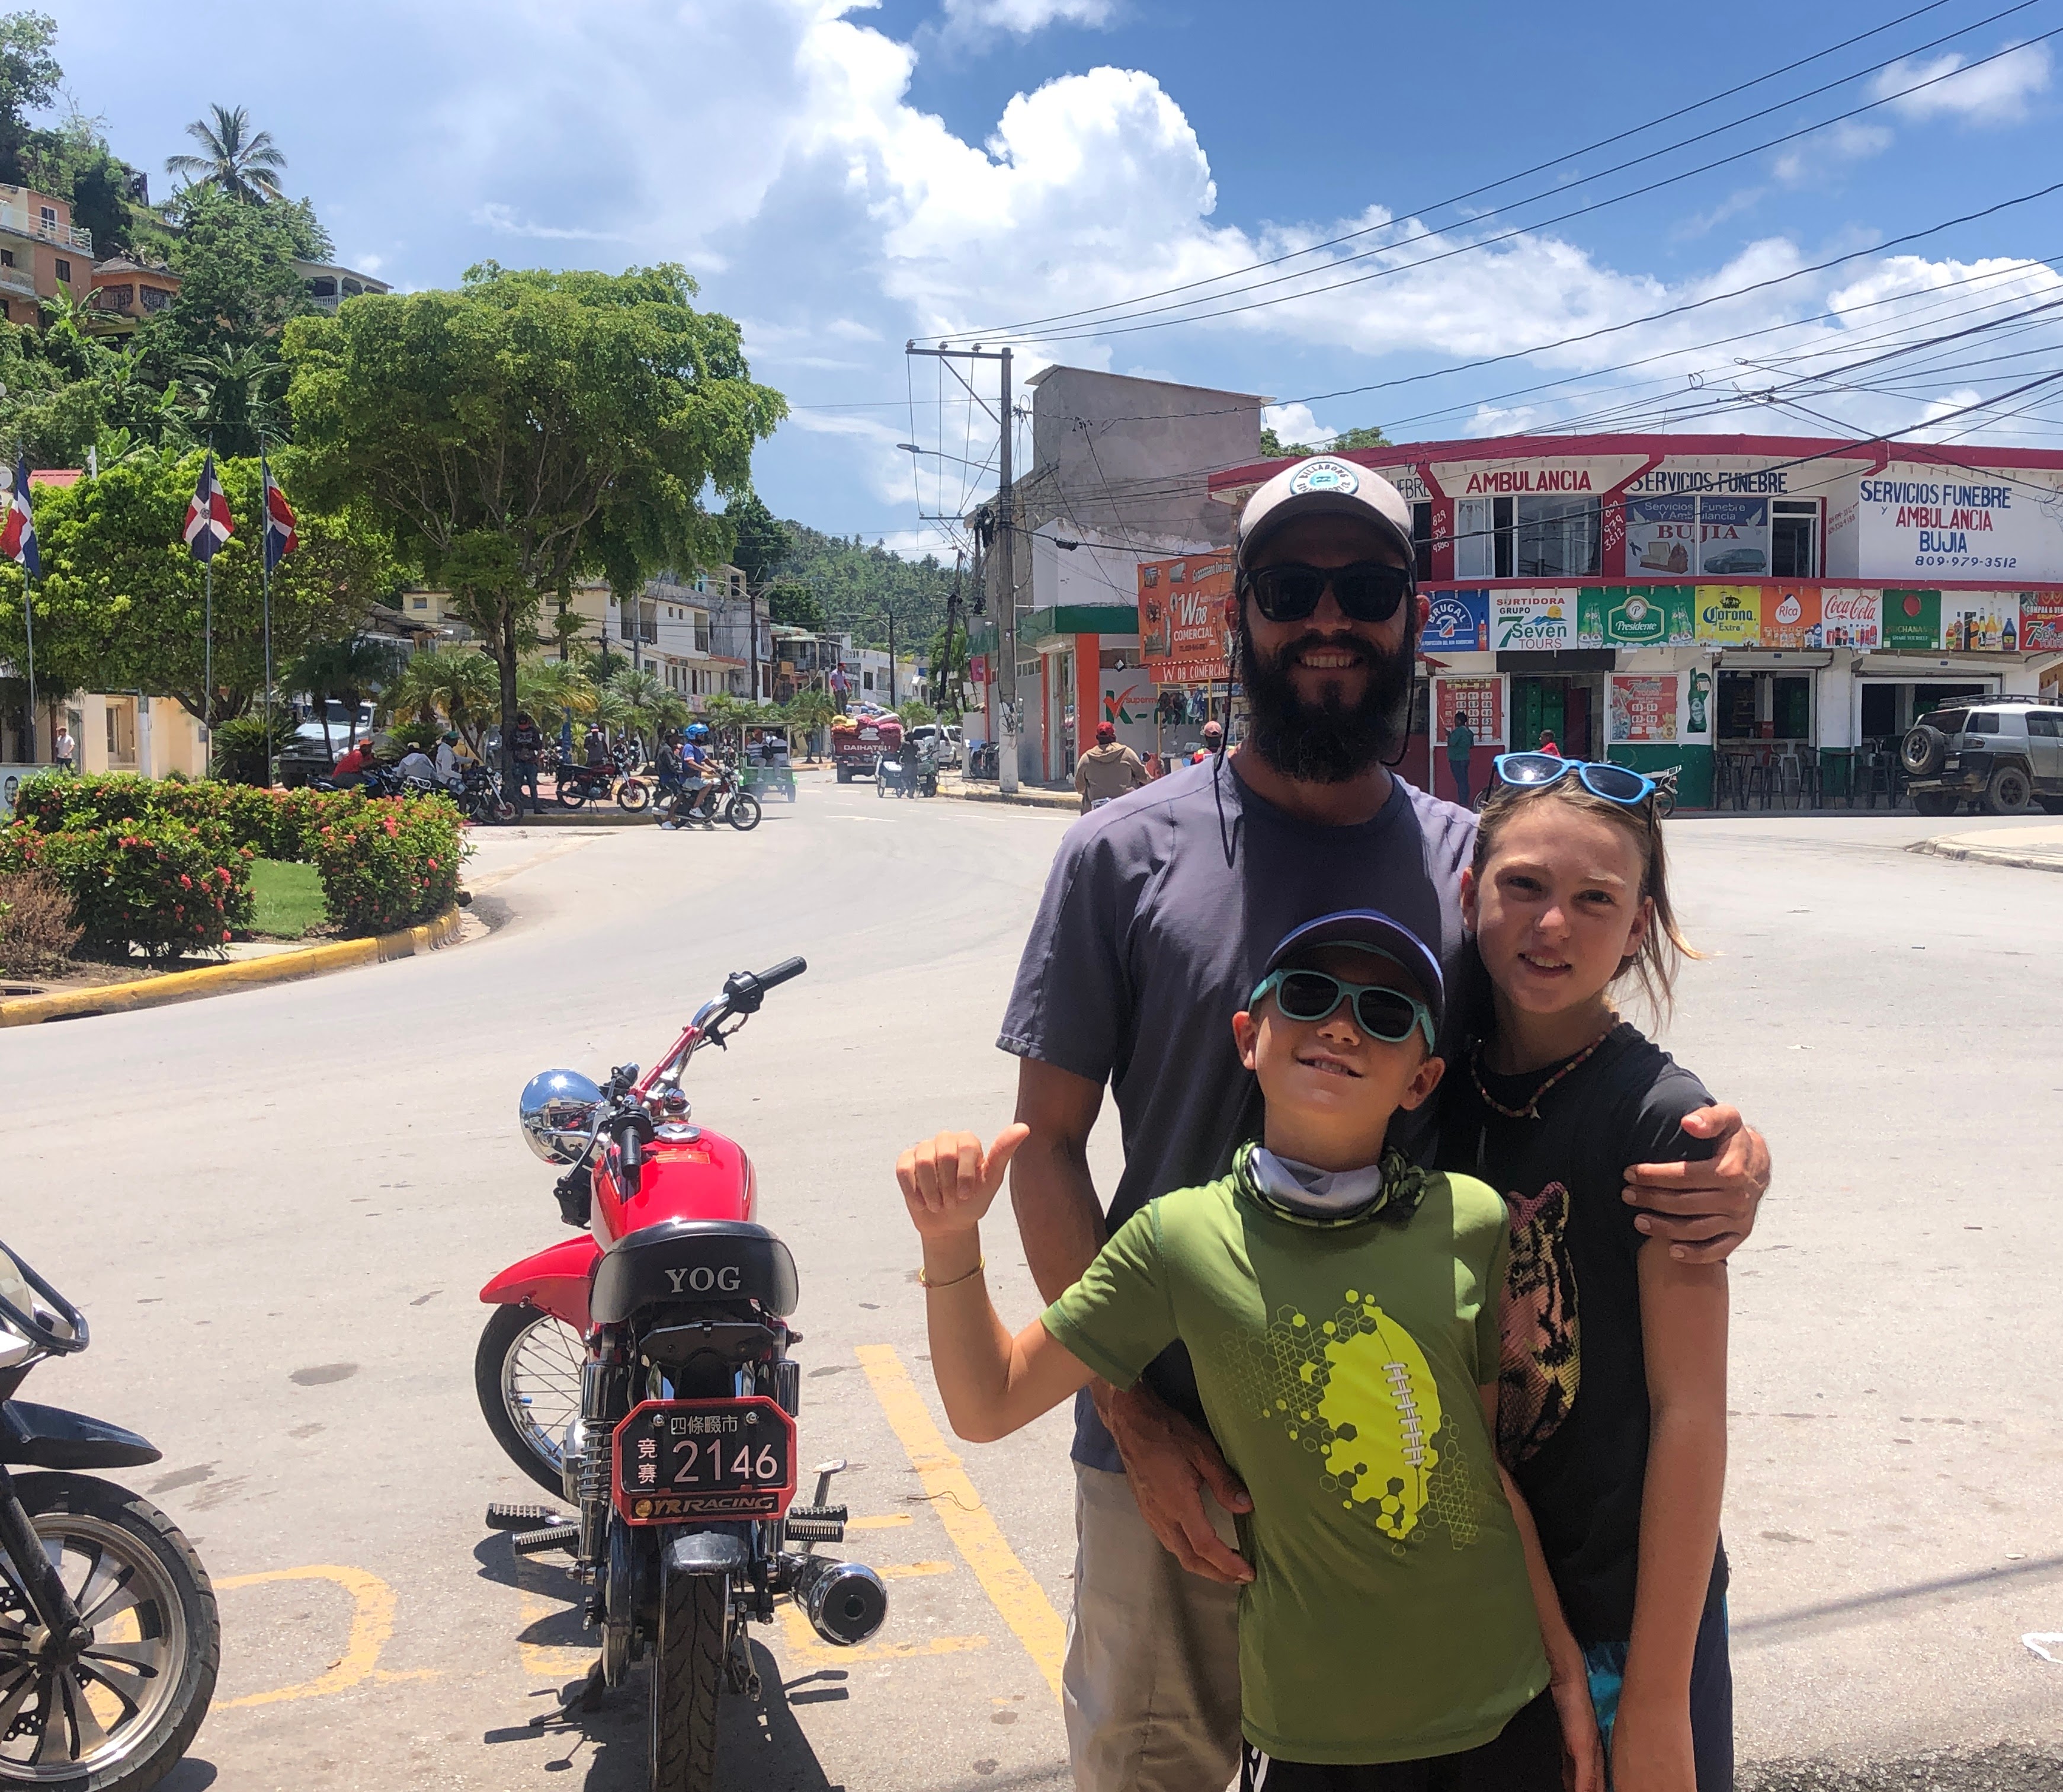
1950,848
221,980
1023,800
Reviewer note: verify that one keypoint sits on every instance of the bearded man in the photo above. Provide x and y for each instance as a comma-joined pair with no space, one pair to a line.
1157,922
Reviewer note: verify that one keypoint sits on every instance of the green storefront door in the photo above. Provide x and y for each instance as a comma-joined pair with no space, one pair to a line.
1538,704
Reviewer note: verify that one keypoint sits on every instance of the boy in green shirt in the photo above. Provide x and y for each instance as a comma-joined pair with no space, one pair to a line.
1397,1623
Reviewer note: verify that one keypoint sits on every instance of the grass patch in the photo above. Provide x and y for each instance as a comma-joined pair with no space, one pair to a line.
286,899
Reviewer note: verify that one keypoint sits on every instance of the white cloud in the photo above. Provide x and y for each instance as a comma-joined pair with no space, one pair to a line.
503,221
1830,151
1295,423
1997,93
966,18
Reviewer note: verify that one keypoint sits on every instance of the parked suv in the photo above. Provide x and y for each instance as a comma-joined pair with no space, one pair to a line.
2004,752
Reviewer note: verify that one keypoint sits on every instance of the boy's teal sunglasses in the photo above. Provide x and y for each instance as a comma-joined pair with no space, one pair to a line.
1380,1012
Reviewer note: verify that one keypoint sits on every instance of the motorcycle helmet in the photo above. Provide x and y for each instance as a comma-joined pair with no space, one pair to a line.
697,731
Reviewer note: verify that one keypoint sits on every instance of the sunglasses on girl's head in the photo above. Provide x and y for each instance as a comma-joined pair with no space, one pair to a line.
1380,1012
1615,783
1367,592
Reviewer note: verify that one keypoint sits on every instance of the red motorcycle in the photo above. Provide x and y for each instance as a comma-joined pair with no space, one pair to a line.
642,1371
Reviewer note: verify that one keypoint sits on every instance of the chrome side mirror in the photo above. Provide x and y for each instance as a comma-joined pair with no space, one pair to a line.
557,1114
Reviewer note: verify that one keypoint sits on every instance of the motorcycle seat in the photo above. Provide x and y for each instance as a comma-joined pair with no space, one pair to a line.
709,1261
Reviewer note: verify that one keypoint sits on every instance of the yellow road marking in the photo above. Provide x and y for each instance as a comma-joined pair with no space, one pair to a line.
888,1521
974,1533
531,864
914,1571
800,1641
552,1661
372,1624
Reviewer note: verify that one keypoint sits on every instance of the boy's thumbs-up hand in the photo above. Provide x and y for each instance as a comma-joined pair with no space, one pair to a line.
949,1182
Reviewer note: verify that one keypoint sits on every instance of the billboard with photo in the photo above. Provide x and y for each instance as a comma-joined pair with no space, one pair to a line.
1185,612
1642,711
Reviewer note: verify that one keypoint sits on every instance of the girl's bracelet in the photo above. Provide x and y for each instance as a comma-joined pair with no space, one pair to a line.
924,1281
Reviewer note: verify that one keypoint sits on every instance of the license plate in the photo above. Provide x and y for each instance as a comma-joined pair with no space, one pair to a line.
682,1459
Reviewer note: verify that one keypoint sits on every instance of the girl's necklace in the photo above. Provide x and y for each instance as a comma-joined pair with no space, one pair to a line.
1531,1110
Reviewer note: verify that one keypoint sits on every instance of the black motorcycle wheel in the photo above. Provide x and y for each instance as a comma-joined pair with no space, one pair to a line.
119,1718
687,1675
745,812
526,1375
572,793
633,794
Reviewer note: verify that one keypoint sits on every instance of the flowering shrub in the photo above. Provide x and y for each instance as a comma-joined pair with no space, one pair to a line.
388,863
384,864
151,882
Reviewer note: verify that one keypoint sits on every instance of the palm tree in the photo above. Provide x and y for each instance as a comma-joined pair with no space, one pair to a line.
642,694
546,686
461,683
243,163
347,671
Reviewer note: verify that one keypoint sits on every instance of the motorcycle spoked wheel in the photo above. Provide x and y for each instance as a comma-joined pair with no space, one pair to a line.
127,1711
745,812
633,795
573,793
526,1375
688,1652
505,811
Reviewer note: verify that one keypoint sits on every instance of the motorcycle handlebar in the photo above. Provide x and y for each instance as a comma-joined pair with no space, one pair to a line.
784,972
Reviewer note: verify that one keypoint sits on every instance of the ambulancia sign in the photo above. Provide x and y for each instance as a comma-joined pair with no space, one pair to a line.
1958,524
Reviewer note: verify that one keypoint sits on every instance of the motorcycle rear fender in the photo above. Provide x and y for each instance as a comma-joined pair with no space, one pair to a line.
555,1280
709,1552
48,1437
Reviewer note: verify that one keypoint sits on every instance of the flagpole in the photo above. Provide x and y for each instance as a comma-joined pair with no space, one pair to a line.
29,622
208,660
265,584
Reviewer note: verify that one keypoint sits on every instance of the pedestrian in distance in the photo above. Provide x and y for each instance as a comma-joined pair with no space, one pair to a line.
526,747
1108,770
1547,744
595,746
1213,743
1461,743
1341,1307
1616,1432
64,750
1158,918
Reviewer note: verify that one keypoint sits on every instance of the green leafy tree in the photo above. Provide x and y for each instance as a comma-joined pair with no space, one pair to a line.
1273,448
796,606
547,687
862,583
240,163
527,423
119,607
760,543
29,78
457,686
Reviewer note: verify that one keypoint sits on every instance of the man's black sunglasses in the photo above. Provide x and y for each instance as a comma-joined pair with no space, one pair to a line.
1368,591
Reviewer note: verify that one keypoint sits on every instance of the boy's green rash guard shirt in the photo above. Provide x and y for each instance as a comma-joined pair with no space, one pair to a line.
1389,1618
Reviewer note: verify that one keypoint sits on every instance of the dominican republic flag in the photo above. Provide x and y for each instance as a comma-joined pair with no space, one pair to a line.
208,522
17,534
281,539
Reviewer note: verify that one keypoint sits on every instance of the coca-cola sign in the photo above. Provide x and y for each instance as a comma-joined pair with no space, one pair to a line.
1853,619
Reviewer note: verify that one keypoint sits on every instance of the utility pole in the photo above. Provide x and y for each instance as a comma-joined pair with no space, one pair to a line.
1006,496
891,656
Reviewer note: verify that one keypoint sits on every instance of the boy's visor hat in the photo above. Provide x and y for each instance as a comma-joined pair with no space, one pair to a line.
1371,929
1322,486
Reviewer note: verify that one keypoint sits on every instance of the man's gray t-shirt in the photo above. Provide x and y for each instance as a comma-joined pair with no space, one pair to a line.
1159,911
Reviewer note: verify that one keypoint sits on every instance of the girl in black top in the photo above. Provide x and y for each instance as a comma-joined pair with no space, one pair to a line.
1612,1410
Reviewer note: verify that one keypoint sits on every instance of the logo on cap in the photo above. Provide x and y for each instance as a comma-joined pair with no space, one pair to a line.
1319,474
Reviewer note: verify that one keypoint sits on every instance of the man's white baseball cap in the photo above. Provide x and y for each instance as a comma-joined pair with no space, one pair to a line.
1325,486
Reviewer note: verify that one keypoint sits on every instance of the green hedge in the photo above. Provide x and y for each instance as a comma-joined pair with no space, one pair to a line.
127,841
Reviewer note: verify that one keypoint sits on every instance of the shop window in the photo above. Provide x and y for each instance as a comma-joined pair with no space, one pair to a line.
1558,537
1422,538
1794,540
1483,528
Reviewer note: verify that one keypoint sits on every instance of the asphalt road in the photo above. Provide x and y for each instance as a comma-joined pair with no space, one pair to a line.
277,1208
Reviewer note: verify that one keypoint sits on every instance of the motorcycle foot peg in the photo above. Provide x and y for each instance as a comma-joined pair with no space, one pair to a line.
552,1537
504,1517
816,1523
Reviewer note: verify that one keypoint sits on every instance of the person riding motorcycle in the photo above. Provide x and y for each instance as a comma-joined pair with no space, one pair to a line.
697,787
447,760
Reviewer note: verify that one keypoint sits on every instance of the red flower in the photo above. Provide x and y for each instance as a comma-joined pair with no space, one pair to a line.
393,827
185,882
225,936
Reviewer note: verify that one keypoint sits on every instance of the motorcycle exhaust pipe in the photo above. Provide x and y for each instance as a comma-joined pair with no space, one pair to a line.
844,1602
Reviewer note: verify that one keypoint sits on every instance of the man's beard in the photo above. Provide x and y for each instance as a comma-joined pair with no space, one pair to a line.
1329,742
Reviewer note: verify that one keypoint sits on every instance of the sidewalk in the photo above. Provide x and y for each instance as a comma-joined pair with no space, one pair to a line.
1029,796
2030,849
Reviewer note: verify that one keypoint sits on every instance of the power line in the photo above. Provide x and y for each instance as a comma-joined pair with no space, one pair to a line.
1127,306
1130,328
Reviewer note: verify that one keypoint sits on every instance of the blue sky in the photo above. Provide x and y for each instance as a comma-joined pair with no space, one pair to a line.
842,178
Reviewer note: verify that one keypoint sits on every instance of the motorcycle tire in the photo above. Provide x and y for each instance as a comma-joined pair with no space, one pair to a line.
573,794
880,788
526,1393
745,812
634,795
505,811
688,1652
166,1672
1665,804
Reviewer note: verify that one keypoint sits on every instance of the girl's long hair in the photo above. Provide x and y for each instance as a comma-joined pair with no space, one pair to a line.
1662,953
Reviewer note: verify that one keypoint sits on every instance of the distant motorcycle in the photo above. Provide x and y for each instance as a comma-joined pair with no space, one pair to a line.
110,1640
724,799
580,785
479,797
898,773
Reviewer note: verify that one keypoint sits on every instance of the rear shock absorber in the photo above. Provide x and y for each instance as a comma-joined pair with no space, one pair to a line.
596,1460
